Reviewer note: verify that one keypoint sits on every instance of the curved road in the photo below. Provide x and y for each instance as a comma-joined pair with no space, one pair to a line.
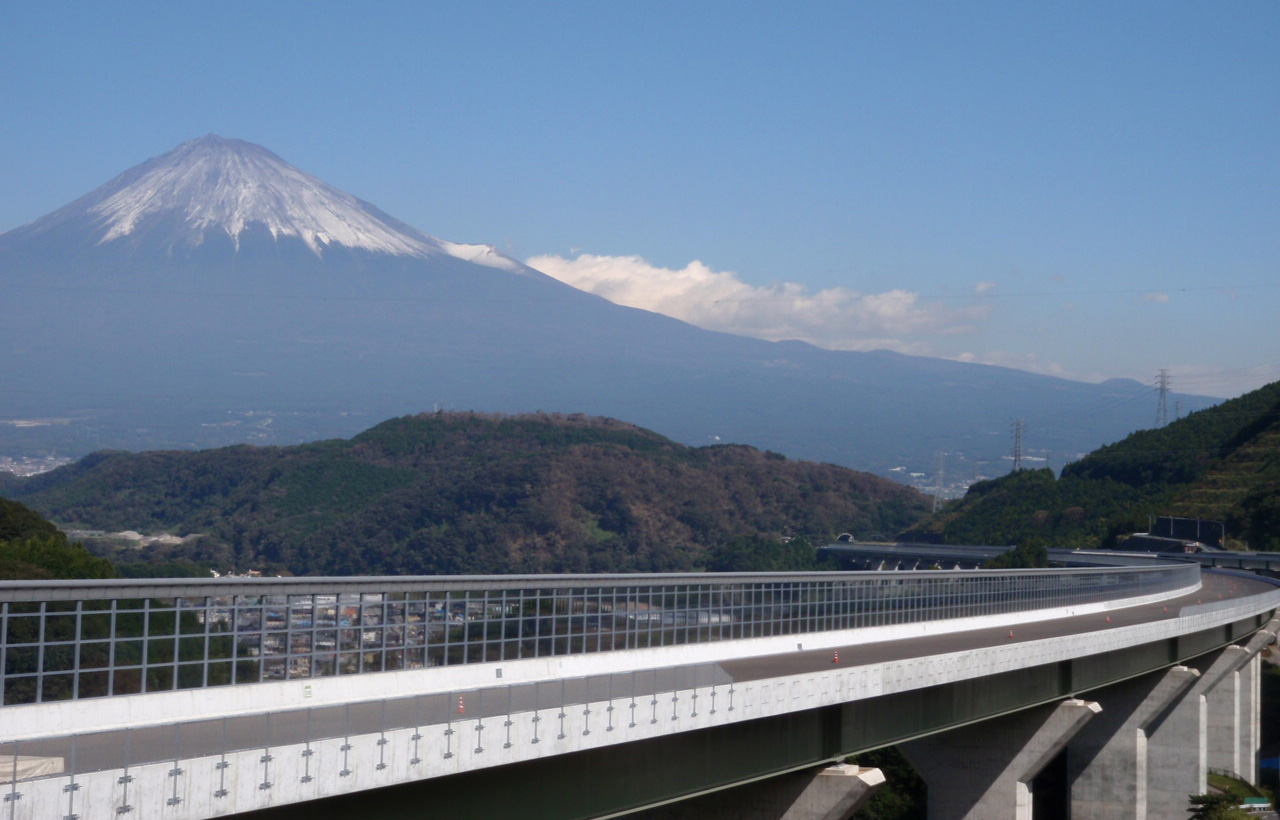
1214,587
117,749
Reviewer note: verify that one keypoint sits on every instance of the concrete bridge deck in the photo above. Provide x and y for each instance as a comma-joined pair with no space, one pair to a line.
266,746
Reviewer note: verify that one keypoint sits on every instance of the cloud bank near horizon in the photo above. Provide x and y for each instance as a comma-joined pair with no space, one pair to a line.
834,318
847,319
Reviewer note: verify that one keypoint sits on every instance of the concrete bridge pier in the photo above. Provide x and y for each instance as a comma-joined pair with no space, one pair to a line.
1233,707
1251,717
983,771
827,793
1177,754
834,793
1201,729
1108,760
1223,702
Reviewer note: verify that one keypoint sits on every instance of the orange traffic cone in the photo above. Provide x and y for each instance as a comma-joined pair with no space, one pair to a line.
1108,619
835,657
1010,633
462,710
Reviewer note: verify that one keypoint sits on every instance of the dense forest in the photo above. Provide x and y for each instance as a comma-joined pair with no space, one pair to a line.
1220,464
32,549
452,493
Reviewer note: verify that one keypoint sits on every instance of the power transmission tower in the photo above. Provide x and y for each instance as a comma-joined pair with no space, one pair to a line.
1162,384
1017,445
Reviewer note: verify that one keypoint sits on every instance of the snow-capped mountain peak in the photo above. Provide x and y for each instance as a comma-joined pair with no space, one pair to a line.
217,185
216,189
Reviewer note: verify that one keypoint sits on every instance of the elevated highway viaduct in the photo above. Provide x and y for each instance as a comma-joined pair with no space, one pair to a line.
1093,692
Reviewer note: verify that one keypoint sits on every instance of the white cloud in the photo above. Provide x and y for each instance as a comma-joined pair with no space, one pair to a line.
835,318
1155,298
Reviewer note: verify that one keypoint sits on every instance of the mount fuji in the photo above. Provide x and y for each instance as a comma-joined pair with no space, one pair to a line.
216,294
212,191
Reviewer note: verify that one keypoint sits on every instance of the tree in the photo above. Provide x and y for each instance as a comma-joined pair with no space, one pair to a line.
1030,554
31,548
1225,806
903,796
758,553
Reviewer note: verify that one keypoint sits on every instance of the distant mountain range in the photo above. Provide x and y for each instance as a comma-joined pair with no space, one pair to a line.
216,294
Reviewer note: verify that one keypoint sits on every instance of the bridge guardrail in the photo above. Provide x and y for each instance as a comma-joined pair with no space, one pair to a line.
80,639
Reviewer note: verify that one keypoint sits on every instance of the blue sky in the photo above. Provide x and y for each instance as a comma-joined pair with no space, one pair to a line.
1085,189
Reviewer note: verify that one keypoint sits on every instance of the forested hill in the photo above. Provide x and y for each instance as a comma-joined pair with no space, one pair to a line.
1221,464
32,549
469,493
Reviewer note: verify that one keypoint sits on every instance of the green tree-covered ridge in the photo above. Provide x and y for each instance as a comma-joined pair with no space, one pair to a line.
1220,464
32,549
470,493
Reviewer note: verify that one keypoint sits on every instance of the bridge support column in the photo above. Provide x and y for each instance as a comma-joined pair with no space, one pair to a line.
834,793
1177,755
1107,761
1231,701
984,771
1250,715
1223,738
1180,741
829,793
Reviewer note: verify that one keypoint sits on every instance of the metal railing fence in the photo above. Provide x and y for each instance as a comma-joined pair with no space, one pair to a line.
81,639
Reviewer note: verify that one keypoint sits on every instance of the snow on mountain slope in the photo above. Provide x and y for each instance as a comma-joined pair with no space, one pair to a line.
226,185
213,187
486,255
